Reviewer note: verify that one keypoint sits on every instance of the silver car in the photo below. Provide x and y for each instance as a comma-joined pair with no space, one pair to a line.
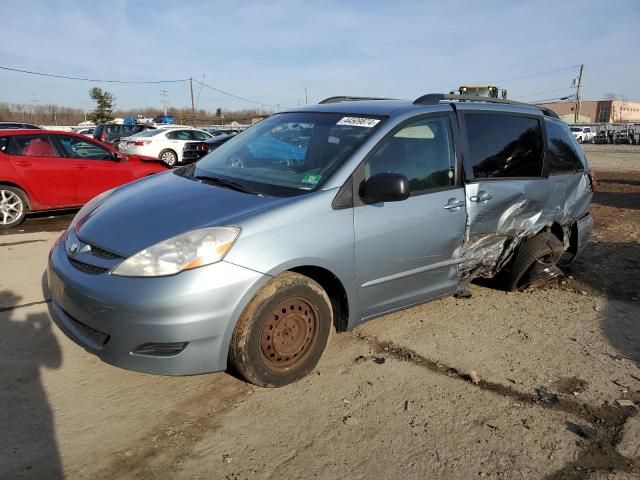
319,218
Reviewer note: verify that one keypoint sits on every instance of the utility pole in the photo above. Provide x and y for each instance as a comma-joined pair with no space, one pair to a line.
577,109
163,97
193,105
306,97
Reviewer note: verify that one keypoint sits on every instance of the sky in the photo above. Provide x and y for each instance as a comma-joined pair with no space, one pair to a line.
270,51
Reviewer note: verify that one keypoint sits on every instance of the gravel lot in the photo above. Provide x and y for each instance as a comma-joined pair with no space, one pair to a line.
527,385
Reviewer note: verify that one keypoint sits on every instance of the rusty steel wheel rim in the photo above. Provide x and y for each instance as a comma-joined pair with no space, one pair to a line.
288,334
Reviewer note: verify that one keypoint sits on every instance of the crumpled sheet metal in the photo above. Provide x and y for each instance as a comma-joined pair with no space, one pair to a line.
525,216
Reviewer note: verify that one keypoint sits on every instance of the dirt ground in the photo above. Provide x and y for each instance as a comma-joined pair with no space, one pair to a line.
524,386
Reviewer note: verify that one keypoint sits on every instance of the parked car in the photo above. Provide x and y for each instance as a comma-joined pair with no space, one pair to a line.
602,137
583,134
223,131
46,170
165,144
218,140
622,136
252,255
18,125
112,132
194,151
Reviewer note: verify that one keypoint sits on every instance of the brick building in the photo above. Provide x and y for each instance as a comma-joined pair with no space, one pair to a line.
598,111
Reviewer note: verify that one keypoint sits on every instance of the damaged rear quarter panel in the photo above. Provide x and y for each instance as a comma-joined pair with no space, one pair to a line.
519,209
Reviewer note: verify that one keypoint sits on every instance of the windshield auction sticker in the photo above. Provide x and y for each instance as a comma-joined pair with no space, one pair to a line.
311,179
359,122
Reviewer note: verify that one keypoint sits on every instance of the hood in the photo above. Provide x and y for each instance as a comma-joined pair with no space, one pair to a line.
162,206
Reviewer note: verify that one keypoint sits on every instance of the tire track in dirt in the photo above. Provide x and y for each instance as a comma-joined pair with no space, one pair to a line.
599,452
170,441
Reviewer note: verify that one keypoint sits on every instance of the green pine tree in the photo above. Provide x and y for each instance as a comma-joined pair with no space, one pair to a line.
104,105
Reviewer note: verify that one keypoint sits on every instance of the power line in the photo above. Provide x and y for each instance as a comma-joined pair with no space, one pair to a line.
234,96
65,77
540,74
555,99
535,94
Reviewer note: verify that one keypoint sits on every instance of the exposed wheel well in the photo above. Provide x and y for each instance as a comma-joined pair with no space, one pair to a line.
335,290
557,230
15,185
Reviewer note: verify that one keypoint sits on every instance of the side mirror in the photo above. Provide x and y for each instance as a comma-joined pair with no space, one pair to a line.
384,187
118,157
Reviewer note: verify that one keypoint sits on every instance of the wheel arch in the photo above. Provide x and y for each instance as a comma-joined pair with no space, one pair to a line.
557,229
16,185
335,290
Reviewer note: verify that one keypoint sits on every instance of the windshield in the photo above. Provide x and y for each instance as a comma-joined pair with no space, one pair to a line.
288,153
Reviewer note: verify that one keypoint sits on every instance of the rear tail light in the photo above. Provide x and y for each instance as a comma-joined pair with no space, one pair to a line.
141,143
592,180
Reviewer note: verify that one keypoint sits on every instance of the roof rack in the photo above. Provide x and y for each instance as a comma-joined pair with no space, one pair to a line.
434,98
346,98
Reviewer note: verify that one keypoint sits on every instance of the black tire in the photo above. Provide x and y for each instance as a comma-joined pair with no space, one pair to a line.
169,157
545,247
283,331
14,206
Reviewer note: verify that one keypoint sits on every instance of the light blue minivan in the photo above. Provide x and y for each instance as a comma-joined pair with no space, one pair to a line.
318,218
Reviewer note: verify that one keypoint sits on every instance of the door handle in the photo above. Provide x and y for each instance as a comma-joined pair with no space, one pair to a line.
454,205
22,163
482,197
80,167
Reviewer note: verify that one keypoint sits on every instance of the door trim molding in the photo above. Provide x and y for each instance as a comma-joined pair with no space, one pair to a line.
415,271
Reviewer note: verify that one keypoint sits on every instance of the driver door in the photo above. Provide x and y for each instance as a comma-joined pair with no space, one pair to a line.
408,251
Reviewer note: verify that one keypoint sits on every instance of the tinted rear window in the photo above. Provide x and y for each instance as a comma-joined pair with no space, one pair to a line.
563,152
503,146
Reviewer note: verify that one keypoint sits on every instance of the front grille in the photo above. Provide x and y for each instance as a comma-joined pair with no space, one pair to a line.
100,337
98,252
86,268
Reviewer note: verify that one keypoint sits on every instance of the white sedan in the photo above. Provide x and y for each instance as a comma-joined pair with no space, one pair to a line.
165,144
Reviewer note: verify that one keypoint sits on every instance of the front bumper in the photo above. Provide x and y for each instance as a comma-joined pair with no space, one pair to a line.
111,316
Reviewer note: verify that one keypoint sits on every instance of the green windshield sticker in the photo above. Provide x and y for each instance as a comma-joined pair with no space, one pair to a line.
311,179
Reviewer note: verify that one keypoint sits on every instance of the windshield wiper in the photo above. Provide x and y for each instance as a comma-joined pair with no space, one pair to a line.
225,183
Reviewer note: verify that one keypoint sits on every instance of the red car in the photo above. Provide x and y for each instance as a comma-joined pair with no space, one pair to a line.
46,170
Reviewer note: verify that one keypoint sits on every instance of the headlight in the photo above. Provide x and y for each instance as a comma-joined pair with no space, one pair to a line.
189,250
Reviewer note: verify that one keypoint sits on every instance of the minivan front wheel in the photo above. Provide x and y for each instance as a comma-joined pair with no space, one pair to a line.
282,332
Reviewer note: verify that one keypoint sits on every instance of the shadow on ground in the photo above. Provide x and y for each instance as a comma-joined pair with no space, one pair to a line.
28,447
613,270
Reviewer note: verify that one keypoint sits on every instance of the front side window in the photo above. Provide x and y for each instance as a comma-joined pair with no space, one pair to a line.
421,151
30,145
289,153
503,146
74,147
563,154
